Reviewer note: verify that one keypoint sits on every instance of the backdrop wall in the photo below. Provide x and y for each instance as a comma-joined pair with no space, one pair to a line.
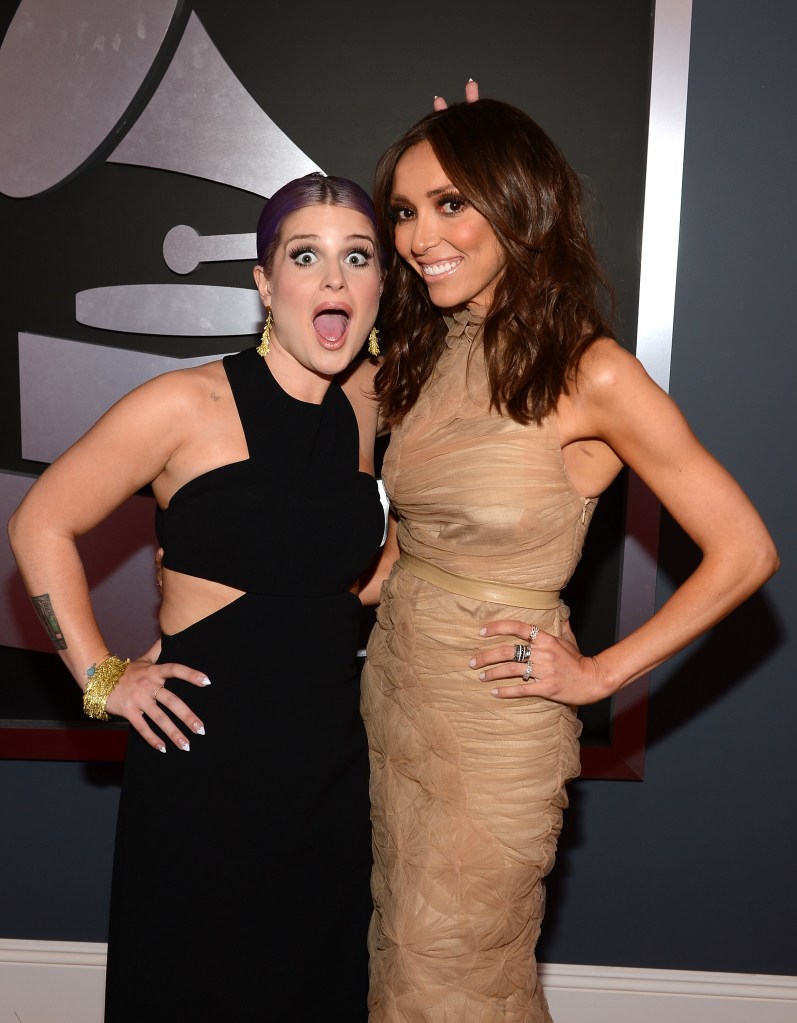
687,869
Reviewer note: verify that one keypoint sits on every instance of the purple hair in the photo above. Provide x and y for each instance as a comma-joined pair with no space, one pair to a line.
312,190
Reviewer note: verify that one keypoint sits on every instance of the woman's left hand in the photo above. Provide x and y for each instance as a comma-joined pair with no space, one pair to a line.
559,671
471,95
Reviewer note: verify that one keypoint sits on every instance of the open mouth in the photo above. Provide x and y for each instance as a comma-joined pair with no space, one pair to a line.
331,326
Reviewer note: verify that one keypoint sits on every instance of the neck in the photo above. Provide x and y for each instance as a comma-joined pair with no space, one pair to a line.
296,380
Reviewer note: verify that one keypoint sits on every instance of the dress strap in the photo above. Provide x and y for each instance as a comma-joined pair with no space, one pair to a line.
479,589
276,425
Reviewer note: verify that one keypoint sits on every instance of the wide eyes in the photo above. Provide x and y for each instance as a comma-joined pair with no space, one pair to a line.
309,257
304,257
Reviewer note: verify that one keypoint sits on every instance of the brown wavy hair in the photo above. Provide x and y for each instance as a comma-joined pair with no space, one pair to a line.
546,308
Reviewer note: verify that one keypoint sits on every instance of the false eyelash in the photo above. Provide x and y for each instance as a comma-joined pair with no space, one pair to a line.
393,213
365,253
293,253
452,197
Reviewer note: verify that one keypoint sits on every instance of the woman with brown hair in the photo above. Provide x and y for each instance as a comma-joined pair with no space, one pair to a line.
511,410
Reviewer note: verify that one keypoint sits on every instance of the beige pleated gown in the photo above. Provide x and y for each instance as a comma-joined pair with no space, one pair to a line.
467,791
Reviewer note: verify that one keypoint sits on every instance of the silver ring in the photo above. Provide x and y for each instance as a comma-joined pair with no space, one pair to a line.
155,694
535,631
527,672
522,652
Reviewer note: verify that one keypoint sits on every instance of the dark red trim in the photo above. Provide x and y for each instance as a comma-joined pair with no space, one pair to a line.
624,758
62,744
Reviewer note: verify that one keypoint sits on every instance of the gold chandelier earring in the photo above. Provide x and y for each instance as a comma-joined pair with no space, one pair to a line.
373,342
263,347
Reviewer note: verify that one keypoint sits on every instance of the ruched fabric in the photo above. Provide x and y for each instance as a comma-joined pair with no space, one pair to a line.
467,791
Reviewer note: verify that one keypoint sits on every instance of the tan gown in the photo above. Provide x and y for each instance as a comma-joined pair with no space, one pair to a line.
467,791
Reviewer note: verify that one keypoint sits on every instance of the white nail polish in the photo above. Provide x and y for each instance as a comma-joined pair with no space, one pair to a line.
185,746
205,681
162,749
200,730
481,676
472,662
494,692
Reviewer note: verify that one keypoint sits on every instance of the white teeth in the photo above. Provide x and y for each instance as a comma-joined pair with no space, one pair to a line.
441,268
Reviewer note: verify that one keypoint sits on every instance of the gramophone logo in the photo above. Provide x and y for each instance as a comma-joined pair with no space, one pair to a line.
69,75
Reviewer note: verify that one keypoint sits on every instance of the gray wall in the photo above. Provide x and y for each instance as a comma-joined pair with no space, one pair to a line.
691,868
694,867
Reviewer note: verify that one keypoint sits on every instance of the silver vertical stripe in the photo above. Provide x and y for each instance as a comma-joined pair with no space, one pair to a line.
661,225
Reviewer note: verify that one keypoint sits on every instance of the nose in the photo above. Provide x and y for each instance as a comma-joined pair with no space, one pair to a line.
333,278
425,233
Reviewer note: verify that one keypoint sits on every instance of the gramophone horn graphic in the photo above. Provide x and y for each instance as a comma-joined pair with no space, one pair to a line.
69,76
200,122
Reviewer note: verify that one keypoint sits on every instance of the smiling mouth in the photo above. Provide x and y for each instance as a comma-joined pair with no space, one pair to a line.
331,326
445,267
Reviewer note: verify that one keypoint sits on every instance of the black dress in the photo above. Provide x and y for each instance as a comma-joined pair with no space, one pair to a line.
241,874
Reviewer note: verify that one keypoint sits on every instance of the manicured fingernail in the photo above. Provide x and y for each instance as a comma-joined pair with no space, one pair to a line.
494,692
185,746
482,632
162,749
472,662
199,729
481,676
205,681
470,79
437,97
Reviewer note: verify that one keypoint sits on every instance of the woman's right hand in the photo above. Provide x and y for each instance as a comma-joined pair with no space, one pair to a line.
141,694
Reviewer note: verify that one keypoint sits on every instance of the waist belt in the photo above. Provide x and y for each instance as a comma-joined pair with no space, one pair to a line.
479,589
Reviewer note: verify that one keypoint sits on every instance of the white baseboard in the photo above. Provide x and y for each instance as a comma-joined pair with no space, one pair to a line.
62,982
610,994
51,981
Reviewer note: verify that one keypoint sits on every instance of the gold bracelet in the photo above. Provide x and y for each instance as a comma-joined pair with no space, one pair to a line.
103,678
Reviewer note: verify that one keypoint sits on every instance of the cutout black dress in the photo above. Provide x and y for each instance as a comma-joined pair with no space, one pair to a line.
241,874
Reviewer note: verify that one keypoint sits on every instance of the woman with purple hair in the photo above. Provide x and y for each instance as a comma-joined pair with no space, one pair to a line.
241,863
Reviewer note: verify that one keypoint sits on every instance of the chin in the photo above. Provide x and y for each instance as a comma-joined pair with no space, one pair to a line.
334,362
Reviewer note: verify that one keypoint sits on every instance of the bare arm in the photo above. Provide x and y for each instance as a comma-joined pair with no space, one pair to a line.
129,447
358,385
371,583
618,403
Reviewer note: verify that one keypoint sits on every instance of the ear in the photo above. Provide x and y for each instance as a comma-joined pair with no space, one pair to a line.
263,284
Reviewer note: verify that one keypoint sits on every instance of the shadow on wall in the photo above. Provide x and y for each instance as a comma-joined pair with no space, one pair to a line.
723,660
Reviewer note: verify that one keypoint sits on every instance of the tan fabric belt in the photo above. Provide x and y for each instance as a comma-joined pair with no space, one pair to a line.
480,589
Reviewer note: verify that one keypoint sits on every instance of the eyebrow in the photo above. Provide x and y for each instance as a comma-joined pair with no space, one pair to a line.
431,194
317,238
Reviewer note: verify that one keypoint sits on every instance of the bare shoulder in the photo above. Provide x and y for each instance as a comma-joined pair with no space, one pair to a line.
606,368
192,380
180,391
612,391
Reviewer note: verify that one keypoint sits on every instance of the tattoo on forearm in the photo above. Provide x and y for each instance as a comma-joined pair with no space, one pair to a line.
44,610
